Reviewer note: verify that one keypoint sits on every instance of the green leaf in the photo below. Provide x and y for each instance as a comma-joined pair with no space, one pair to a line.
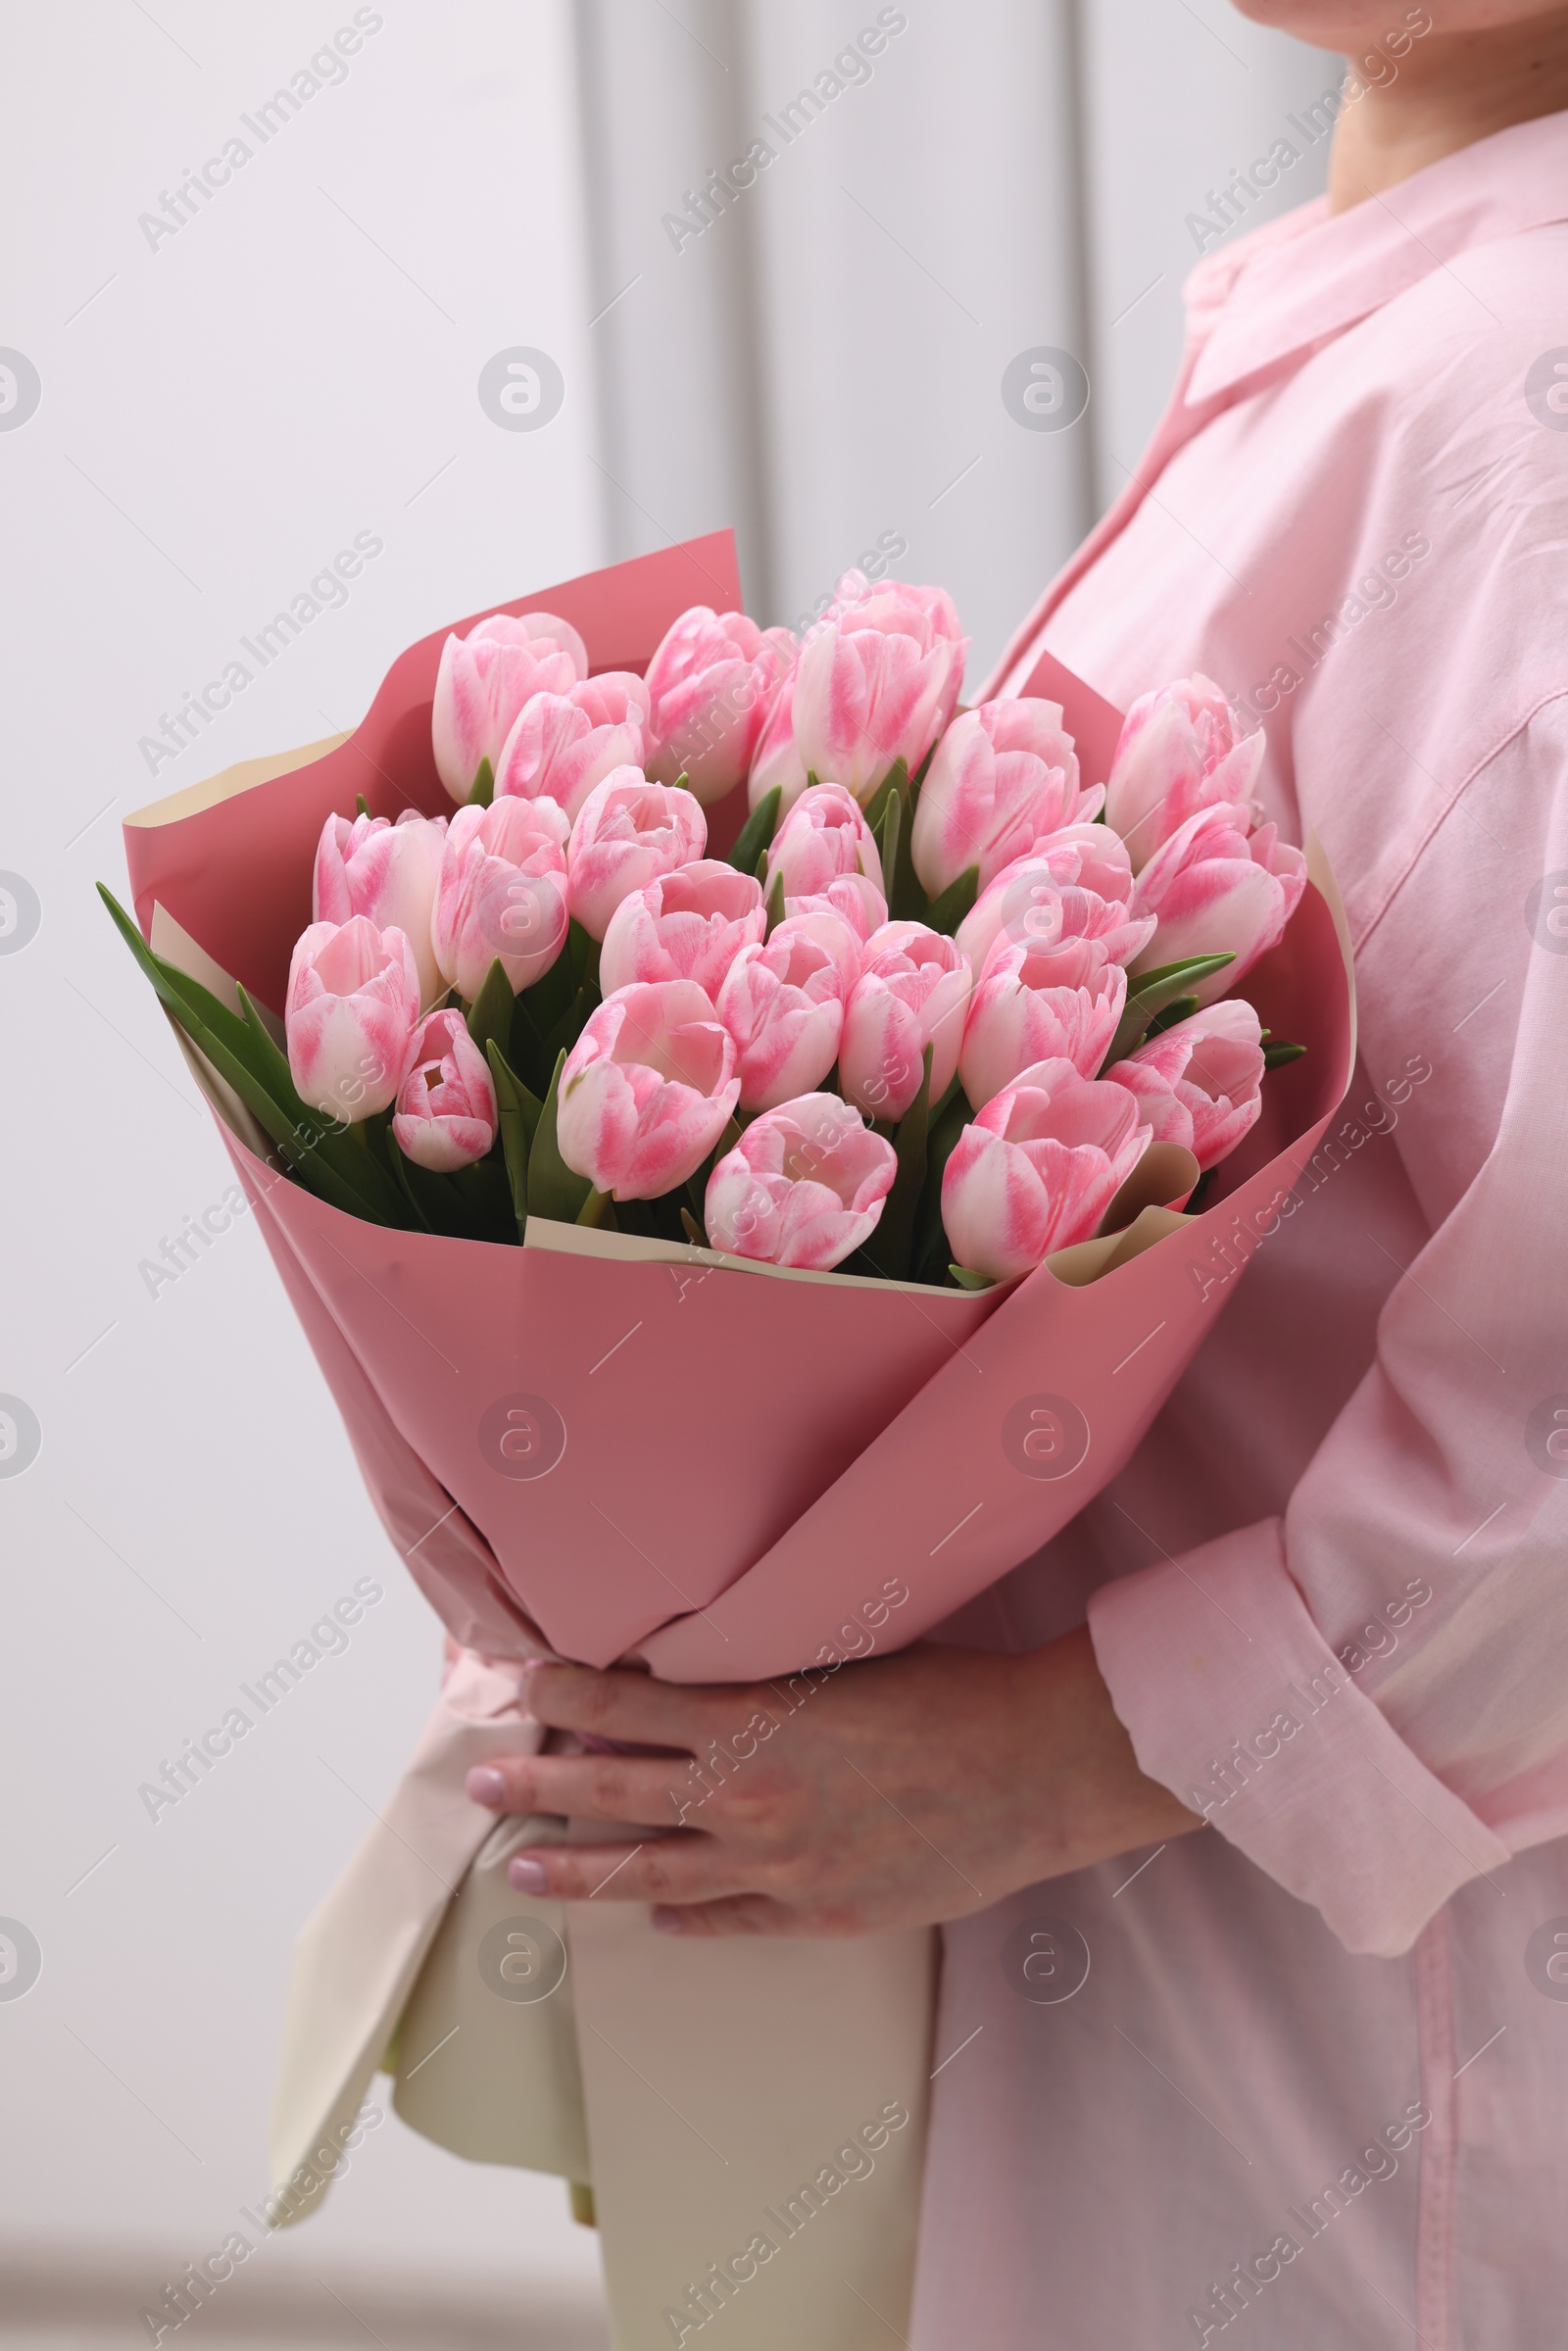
555,1189
1182,1007
521,1112
484,786
525,1049
949,908
231,1043
485,1190
888,832
775,905
757,833
490,1014
694,1231
891,1242
896,781
583,951
907,901
553,992
1152,993
437,1206
964,1278
362,807
1276,1056
932,1248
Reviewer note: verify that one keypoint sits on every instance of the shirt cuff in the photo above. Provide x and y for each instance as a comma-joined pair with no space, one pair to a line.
1233,1699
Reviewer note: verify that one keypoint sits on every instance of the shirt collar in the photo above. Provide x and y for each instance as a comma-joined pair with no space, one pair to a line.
1300,280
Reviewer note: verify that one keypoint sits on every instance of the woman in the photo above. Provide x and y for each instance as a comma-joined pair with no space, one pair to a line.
1294,1781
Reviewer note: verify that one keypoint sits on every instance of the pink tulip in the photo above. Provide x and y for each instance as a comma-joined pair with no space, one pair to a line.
1217,890
1198,1082
803,1186
824,836
913,991
876,684
561,745
388,872
1036,903
783,1003
446,1114
1037,1168
627,832
854,898
710,686
819,918
1181,750
1023,908
647,1090
1040,1004
775,759
352,1008
686,925
483,681
501,893
1002,778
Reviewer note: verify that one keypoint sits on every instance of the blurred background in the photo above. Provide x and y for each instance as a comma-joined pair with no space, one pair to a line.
477,291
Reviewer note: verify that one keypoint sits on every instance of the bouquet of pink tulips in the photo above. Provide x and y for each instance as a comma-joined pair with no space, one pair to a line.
824,1048
922,1022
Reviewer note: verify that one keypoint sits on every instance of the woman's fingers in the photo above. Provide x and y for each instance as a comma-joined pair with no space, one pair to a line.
682,1868
626,1706
740,1914
592,1788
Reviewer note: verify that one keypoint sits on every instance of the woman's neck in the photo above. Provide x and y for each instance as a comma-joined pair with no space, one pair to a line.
1450,91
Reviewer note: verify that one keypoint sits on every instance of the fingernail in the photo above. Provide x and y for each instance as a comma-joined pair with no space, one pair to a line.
668,1922
486,1785
529,1877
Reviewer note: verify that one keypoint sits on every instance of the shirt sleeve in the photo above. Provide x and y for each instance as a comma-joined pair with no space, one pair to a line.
1369,1693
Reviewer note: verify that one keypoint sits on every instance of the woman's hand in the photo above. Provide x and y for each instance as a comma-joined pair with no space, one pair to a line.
895,1794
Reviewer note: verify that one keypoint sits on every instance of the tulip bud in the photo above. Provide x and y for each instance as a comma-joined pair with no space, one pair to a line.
710,686
913,991
502,895
387,872
1025,900
1181,750
1198,1083
687,925
627,832
350,1014
1002,778
483,681
1037,1168
783,1003
1044,1003
803,1186
1217,890
561,745
854,898
445,1115
876,684
819,918
823,838
647,1090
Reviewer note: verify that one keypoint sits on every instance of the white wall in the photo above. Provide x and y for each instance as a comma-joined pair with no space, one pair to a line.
220,413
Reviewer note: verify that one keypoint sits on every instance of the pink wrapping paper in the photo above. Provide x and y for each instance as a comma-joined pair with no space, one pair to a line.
713,1468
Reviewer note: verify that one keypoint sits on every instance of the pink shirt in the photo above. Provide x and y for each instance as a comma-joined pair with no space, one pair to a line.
1329,1593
